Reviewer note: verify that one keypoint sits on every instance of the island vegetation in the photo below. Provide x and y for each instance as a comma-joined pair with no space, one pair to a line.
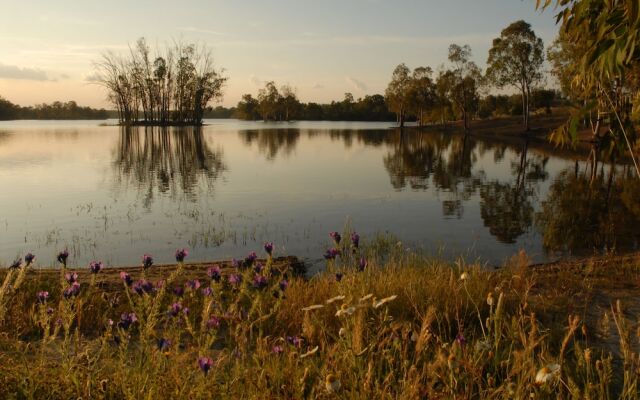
55,110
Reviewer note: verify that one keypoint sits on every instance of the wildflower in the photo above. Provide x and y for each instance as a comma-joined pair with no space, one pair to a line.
175,309
207,291
268,247
147,260
465,276
310,352
214,273
380,303
142,286
181,254
185,311
110,322
547,373
332,384
62,257
313,307
235,263
71,277
72,291
127,319
344,310
277,349
294,341
331,254
160,284
43,296
336,237
284,284
29,258
355,240
260,281
16,264
164,344
460,339
178,291
362,264
258,268
250,259
49,311
490,299
213,322
334,299
235,279
205,364
193,284
339,276
95,267
126,278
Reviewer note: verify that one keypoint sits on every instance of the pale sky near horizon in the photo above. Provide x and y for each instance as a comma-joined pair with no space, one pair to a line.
324,48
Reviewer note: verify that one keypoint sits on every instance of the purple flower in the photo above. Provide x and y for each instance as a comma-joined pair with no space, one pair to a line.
62,257
160,284
294,341
142,286
355,240
362,264
164,344
29,258
185,311
205,364
461,339
126,278
193,284
235,279
215,273
339,276
178,291
49,311
175,309
331,254
72,291
71,277
213,322
181,254
207,291
268,247
258,268
235,263
284,284
147,260
127,319
250,259
277,349
336,237
95,266
260,281
43,296
16,264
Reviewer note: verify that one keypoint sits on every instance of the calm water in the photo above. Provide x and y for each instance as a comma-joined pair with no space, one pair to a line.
112,194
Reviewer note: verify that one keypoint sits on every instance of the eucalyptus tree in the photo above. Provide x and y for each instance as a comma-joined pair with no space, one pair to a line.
515,59
464,82
421,93
288,101
397,93
268,98
443,84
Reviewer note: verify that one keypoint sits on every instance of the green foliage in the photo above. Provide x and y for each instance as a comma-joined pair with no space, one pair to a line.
55,110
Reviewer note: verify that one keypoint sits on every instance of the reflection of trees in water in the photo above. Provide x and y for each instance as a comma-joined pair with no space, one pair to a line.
272,142
580,215
506,208
171,160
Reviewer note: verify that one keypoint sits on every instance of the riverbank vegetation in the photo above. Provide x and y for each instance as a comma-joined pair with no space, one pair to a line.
170,86
380,322
55,110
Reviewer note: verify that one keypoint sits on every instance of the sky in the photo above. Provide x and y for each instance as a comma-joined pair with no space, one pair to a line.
323,48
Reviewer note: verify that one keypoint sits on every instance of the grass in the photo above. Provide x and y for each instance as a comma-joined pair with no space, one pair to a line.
404,327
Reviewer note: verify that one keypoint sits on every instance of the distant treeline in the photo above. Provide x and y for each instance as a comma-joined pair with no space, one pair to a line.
55,110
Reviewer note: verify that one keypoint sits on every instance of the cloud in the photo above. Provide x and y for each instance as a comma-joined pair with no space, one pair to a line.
317,86
359,85
92,78
255,80
15,72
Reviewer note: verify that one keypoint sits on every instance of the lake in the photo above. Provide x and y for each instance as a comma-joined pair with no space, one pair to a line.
112,193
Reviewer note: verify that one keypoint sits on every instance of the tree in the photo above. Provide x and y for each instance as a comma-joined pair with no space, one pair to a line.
268,99
464,81
397,92
289,102
247,108
421,93
515,59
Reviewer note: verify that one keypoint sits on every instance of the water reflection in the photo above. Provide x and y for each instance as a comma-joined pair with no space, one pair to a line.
581,215
272,142
173,161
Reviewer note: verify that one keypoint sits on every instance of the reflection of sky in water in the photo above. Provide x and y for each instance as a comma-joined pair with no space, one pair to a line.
113,194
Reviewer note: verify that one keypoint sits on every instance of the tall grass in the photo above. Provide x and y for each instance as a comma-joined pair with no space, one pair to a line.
404,327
